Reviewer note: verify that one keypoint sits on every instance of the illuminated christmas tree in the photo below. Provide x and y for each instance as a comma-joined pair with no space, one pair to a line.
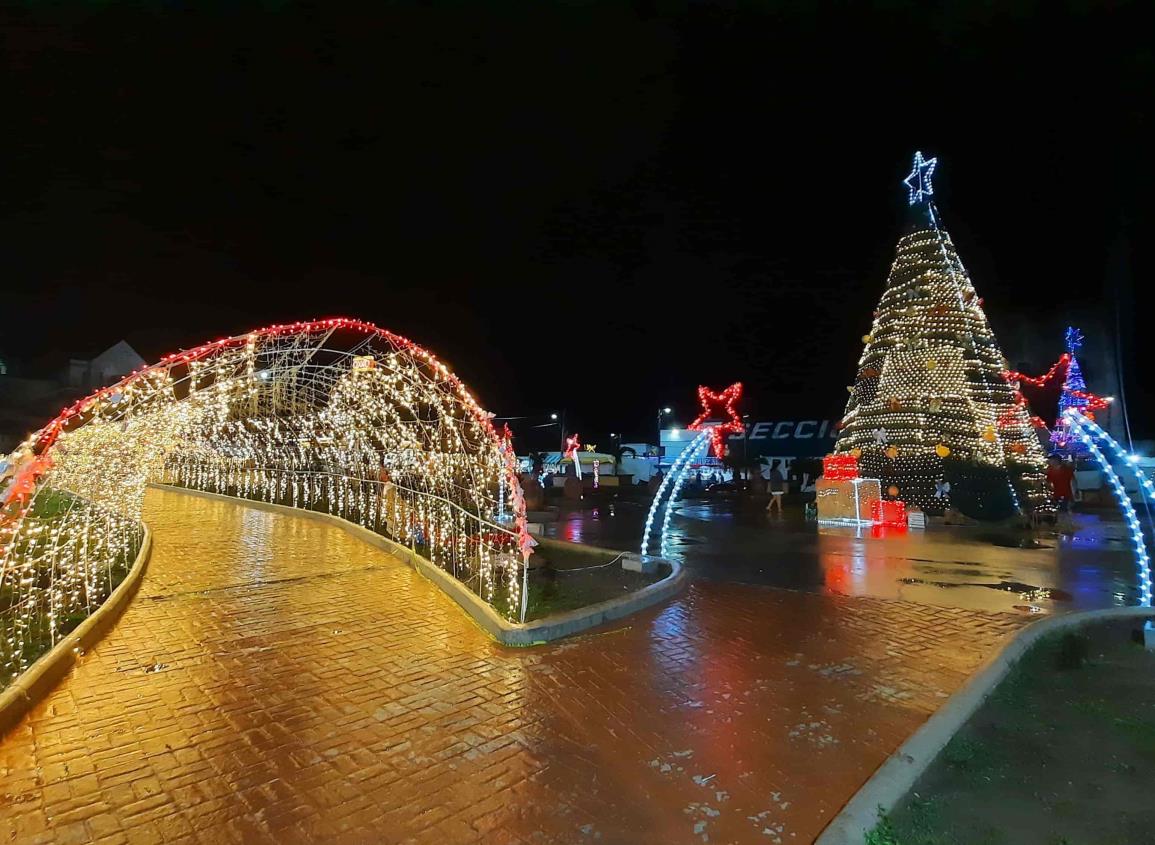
1074,395
929,411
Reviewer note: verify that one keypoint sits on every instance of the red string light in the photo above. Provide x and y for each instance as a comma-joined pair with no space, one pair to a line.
840,467
1015,378
572,444
1041,381
714,406
50,432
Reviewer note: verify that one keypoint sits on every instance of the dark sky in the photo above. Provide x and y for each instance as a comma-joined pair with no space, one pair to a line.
588,205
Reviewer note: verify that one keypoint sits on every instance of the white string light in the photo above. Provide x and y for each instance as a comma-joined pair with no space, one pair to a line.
680,467
1088,431
335,414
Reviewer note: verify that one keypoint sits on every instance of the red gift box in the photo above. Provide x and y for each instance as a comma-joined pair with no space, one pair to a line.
885,512
839,467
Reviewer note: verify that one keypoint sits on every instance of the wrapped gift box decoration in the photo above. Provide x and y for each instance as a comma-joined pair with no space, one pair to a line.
839,467
888,512
847,500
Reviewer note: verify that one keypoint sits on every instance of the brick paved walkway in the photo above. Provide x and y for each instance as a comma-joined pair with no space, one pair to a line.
277,681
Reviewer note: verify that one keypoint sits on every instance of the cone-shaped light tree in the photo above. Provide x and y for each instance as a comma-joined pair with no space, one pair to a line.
1075,396
929,411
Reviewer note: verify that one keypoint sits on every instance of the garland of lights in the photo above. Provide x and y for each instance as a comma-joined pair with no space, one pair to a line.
928,384
1088,431
1074,394
336,415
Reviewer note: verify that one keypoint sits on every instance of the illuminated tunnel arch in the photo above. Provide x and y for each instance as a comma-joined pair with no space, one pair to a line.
1089,432
334,414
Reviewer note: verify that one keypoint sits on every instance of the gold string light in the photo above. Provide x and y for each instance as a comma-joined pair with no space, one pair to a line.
929,378
336,415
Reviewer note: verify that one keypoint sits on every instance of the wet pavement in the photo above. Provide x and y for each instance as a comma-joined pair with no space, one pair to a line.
276,680
1090,565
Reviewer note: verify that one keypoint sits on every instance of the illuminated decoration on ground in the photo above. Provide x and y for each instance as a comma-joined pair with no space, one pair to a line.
1088,431
335,415
842,496
719,406
717,420
889,513
572,444
929,379
1074,394
672,484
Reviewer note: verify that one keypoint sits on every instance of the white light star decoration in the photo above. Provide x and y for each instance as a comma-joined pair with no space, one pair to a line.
919,180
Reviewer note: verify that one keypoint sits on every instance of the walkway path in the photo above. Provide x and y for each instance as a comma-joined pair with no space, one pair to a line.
278,681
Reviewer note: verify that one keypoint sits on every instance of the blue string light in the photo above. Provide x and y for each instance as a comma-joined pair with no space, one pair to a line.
1073,383
1080,426
679,468
918,182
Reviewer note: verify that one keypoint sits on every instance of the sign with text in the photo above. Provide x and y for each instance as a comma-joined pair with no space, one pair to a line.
788,438
796,438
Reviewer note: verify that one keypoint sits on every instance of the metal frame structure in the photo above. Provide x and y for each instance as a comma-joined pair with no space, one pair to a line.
261,415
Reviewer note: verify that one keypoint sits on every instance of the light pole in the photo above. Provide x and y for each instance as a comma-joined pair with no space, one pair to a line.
745,440
661,415
554,417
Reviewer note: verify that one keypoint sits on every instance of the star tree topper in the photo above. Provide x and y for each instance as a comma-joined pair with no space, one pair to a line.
717,406
1074,339
919,179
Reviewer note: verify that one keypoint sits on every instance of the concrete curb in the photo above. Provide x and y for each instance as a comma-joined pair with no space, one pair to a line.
508,633
894,778
39,679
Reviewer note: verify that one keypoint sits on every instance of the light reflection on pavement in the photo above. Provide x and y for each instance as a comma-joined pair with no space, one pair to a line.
972,567
277,681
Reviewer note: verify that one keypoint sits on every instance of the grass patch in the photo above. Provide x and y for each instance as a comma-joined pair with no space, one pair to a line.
1063,751
554,591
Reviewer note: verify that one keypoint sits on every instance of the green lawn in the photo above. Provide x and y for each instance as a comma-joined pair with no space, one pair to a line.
1063,753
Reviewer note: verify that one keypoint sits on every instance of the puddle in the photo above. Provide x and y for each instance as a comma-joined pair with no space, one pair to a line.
1017,542
1029,591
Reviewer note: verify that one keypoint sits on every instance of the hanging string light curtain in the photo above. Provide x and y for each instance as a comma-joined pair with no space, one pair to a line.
337,414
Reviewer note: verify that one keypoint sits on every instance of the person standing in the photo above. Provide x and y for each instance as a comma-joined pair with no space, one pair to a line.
777,489
1061,475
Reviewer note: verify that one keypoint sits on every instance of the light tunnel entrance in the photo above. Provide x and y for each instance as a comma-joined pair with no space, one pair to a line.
334,415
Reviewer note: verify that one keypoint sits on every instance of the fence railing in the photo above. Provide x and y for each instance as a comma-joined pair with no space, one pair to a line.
477,551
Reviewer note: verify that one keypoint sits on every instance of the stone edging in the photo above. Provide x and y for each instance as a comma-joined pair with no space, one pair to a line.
509,633
35,682
894,778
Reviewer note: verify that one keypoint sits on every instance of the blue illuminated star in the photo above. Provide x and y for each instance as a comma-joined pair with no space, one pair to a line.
919,179
1074,339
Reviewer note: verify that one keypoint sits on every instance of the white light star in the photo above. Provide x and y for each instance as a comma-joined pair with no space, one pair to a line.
919,179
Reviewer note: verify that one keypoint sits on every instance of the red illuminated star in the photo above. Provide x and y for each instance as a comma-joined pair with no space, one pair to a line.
572,444
717,406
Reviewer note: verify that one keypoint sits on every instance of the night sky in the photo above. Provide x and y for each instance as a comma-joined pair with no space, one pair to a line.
594,206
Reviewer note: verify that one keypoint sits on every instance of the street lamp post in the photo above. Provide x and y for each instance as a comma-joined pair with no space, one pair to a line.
553,417
661,414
